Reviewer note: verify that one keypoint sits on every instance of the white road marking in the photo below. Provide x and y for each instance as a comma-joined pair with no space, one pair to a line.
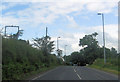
35,78
45,73
79,76
74,70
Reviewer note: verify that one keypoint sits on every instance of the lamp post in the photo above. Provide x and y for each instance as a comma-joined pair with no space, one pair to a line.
103,36
65,52
57,45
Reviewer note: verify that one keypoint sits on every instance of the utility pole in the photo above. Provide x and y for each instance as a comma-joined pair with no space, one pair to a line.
0,57
65,49
46,31
58,51
46,42
57,43
103,36
118,26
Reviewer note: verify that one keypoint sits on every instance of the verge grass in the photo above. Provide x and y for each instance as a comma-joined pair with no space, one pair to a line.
111,65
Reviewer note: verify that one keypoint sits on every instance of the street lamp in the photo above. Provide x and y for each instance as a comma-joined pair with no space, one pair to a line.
57,43
65,49
65,52
58,46
103,36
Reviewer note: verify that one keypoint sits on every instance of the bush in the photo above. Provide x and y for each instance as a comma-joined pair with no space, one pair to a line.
21,58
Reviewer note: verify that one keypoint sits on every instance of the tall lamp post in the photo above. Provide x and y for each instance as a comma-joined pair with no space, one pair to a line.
57,45
103,36
65,52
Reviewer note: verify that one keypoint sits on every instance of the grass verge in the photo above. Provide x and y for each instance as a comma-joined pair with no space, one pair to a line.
32,74
108,67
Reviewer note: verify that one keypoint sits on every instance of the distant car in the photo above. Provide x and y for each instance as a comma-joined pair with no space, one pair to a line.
74,64
81,64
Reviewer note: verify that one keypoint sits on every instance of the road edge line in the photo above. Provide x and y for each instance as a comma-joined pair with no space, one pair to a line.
44,73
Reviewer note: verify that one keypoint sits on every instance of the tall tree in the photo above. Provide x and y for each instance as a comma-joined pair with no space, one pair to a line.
114,52
89,40
45,44
77,57
91,47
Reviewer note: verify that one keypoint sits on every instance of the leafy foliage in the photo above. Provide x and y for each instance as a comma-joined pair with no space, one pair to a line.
44,44
17,35
111,65
20,58
91,51
77,57
89,40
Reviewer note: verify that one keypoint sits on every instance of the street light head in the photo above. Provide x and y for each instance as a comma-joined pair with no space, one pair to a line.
58,37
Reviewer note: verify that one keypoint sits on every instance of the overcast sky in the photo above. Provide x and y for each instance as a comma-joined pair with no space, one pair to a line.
68,19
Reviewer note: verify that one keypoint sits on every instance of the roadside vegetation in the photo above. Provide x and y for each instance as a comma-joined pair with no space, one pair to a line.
111,65
92,55
21,59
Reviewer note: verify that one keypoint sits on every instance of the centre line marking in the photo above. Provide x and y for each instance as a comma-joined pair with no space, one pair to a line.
74,70
79,76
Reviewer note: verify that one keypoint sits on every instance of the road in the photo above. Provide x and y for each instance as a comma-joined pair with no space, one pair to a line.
75,73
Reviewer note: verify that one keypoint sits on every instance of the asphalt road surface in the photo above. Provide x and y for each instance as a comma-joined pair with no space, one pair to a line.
75,73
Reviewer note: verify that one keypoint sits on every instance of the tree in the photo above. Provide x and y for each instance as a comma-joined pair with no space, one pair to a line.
113,52
17,35
77,58
59,52
89,40
92,48
44,44
20,58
